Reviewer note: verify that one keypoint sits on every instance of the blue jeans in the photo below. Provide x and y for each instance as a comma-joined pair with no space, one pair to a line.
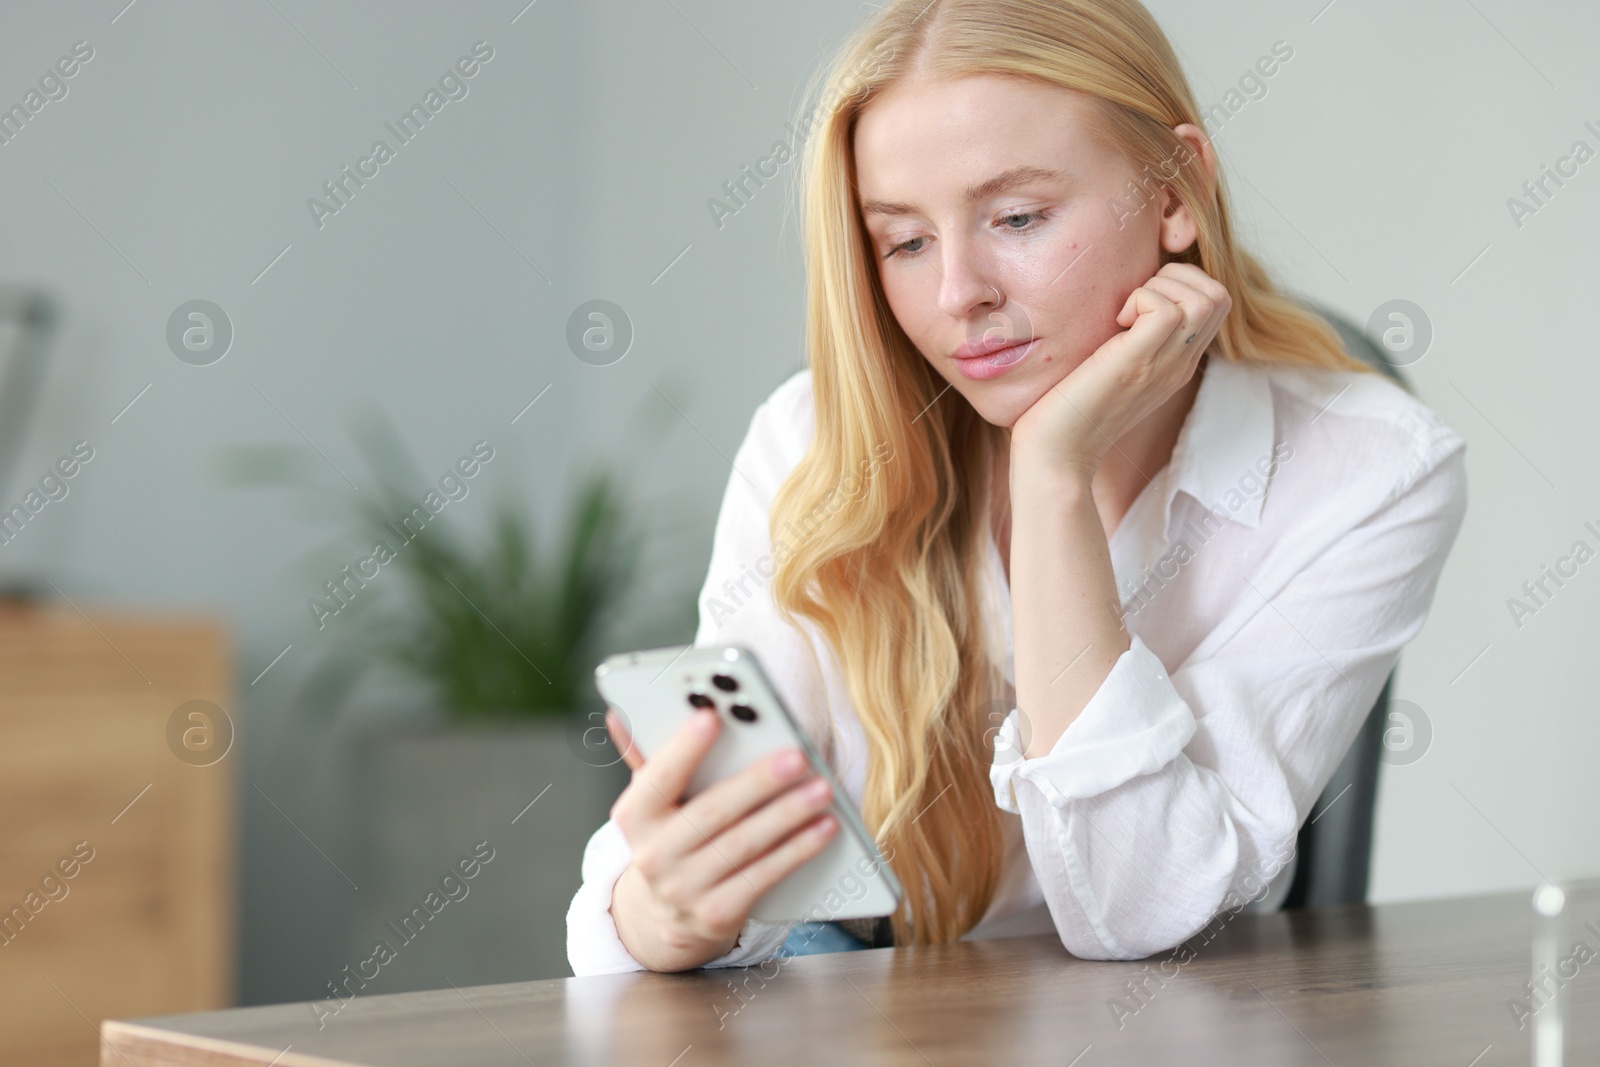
812,938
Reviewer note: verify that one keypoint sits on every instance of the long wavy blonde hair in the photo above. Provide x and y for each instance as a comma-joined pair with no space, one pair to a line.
893,581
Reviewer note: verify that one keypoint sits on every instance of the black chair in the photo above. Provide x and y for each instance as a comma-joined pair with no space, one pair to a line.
1334,853
22,371
21,380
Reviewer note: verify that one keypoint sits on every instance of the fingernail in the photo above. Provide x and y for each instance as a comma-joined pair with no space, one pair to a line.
705,722
788,763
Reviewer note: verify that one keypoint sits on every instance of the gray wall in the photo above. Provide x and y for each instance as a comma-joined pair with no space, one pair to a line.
1377,166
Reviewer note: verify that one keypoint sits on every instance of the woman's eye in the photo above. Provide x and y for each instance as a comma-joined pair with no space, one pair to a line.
905,251
1026,215
899,249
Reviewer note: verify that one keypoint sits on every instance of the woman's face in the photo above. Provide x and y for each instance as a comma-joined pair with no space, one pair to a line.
987,180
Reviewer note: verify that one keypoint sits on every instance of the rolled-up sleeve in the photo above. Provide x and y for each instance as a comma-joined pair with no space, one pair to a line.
1171,792
593,945
1135,724
735,608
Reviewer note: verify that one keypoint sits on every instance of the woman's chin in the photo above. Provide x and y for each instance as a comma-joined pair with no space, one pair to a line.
1005,406
1002,412
1002,407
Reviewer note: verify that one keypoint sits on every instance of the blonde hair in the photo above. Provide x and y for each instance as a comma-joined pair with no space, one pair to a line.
894,581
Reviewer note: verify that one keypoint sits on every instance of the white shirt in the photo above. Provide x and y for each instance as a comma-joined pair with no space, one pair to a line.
1261,634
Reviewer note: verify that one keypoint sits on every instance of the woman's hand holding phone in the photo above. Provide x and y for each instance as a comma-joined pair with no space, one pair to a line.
699,866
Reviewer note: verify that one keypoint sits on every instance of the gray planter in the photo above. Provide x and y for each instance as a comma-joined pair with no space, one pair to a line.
423,800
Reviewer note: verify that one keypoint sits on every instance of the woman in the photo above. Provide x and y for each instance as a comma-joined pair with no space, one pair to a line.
1081,549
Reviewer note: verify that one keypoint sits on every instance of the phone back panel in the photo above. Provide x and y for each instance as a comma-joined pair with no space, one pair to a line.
849,878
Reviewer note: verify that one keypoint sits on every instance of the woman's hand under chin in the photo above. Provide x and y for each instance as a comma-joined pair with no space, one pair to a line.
1169,321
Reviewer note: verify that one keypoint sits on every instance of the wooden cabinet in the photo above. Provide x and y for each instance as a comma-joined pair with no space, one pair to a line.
117,753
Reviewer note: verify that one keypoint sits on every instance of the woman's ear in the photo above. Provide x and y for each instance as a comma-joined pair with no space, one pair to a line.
1179,227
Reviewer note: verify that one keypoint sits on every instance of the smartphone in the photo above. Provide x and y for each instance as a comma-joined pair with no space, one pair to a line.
656,690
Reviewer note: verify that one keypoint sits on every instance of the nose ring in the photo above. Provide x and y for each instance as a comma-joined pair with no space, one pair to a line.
999,297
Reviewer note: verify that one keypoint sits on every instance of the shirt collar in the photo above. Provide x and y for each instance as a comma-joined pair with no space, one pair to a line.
1226,440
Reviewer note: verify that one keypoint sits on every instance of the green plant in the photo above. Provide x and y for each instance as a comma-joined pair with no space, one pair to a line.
493,629
497,627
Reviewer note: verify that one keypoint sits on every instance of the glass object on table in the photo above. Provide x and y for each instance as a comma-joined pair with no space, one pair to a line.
1566,950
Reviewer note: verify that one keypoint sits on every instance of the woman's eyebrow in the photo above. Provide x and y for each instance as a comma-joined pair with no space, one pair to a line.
1003,182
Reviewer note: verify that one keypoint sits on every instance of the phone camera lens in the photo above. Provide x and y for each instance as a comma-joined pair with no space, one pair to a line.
725,682
700,700
743,712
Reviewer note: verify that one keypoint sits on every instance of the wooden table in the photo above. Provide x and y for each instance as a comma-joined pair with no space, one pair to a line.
1423,983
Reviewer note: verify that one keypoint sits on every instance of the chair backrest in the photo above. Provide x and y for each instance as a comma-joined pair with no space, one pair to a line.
1334,847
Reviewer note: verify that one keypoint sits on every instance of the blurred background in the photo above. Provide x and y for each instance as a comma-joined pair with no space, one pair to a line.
320,455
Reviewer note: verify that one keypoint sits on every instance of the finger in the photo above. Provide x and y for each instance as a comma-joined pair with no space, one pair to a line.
1197,279
1199,309
1208,287
1127,315
1155,317
622,739
722,805
658,785
1181,292
738,893
752,836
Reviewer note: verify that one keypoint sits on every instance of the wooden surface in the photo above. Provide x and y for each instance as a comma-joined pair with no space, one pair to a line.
145,926
1423,983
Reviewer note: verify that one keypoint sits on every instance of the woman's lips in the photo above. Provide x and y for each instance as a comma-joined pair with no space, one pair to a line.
981,368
